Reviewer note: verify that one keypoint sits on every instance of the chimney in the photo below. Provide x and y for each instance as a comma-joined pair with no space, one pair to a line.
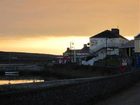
68,49
85,45
115,31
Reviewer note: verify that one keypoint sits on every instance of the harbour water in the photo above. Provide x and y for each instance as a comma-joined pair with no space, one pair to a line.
9,80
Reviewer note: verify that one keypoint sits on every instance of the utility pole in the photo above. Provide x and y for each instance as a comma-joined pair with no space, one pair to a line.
106,53
72,53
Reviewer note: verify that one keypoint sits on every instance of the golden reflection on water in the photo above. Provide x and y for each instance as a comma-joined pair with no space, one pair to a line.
4,82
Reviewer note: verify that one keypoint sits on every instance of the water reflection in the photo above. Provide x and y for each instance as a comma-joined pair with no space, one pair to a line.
4,82
18,80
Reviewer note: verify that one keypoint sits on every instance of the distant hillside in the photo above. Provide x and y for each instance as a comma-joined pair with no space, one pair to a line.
20,57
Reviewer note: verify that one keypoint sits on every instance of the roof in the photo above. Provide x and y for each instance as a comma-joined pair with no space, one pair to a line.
138,36
128,44
107,34
85,49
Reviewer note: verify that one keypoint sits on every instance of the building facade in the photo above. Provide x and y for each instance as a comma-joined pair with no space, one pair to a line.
77,55
127,50
137,43
137,50
105,43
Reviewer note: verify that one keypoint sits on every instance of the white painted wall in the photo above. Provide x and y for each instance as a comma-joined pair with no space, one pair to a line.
98,43
101,55
137,45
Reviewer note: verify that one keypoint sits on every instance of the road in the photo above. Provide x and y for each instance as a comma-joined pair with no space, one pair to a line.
130,96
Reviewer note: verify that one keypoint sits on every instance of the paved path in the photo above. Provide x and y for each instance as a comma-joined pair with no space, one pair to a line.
130,96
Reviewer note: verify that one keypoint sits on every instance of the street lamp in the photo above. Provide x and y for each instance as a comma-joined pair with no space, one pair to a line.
72,54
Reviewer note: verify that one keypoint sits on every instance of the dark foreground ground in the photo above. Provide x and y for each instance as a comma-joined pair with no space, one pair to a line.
76,71
82,91
130,96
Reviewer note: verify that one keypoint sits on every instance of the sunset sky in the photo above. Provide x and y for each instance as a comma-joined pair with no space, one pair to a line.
48,26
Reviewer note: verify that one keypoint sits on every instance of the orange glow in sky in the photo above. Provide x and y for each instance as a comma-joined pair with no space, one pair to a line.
49,45
48,26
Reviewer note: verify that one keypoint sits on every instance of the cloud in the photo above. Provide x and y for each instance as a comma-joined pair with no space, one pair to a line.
34,25
67,17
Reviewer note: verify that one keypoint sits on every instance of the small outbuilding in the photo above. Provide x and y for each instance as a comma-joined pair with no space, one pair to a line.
77,55
127,49
137,50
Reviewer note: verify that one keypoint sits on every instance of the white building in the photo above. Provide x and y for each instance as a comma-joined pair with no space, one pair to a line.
105,43
137,50
137,43
77,55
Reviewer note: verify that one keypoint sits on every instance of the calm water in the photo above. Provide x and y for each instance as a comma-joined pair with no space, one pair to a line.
20,79
4,82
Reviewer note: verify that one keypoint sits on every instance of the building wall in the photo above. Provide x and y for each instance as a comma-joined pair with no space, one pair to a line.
109,51
67,92
98,43
137,45
75,56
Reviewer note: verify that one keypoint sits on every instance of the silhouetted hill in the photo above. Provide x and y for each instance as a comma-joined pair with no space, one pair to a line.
21,57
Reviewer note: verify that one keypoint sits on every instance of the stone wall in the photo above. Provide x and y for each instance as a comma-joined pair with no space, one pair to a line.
66,92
